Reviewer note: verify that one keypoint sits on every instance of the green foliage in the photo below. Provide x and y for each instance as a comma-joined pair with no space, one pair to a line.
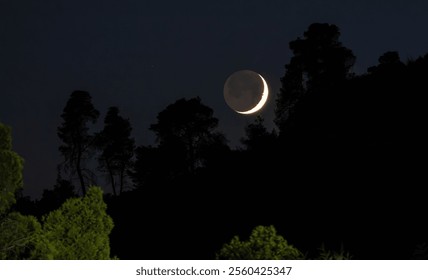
263,244
11,165
325,254
80,228
5,137
21,238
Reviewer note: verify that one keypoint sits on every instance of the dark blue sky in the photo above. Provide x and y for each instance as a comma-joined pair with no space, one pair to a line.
144,55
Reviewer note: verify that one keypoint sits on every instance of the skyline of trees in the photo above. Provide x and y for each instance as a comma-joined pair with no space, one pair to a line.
313,99
341,141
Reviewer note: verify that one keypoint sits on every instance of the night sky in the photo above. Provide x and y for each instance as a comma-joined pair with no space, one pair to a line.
144,55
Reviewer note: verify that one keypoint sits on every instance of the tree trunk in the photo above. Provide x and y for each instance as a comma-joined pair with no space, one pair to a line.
121,180
79,172
110,172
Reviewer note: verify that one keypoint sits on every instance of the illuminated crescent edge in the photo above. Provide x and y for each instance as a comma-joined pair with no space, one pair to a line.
262,100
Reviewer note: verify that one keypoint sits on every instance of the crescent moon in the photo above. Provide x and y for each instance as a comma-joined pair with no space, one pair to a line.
262,100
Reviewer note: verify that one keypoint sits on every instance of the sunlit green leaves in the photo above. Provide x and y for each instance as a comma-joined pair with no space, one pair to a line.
263,244
21,238
11,165
80,228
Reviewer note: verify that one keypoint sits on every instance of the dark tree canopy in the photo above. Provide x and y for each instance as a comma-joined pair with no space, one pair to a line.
185,130
257,136
389,62
188,121
52,199
149,167
117,149
74,133
319,65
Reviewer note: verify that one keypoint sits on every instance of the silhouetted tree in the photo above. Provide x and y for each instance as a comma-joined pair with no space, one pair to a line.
73,132
117,149
185,131
257,136
54,198
417,71
149,166
318,67
388,62
11,165
263,244
387,92
25,204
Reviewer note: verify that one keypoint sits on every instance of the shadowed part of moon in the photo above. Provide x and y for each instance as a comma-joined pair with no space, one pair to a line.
243,90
